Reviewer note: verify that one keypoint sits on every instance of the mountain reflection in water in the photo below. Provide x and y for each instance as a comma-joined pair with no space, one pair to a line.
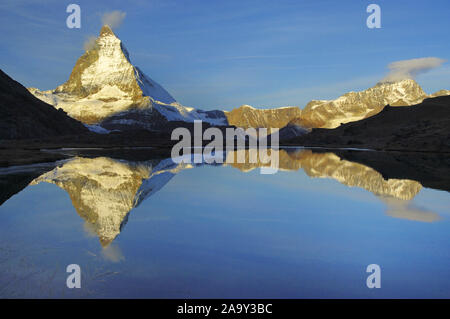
104,190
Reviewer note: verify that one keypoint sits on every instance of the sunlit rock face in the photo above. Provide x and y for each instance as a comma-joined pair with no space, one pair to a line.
104,190
247,116
355,106
105,64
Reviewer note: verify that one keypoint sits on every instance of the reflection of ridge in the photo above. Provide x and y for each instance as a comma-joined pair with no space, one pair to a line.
395,193
329,165
103,190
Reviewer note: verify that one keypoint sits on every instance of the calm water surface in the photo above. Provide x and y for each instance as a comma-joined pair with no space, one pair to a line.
146,227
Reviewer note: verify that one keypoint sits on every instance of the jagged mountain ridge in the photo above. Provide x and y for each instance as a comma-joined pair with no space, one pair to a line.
350,107
354,106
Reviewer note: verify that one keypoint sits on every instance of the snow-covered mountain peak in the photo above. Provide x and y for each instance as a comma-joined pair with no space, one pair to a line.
105,63
407,84
106,88
104,82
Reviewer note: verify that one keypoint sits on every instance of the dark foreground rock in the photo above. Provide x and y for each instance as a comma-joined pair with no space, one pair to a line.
24,116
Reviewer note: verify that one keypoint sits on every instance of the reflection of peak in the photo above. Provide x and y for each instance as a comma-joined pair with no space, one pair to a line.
103,190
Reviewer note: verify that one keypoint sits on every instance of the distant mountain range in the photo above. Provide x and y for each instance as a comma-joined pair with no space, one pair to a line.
107,92
355,106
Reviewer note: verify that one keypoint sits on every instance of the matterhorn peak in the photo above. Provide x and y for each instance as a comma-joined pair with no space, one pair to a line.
106,31
103,83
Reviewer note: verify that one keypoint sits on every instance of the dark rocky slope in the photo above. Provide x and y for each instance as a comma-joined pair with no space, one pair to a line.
23,116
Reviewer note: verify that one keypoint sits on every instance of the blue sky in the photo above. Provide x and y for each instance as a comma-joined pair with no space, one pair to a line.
222,54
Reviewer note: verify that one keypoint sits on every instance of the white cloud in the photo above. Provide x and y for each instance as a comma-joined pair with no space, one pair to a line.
90,43
408,69
113,18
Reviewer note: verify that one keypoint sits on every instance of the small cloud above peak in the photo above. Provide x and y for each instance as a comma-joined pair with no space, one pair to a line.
90,43
113,19
409,69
